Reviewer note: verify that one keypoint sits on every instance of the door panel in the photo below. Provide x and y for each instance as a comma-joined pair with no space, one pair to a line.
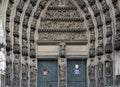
77,77
47,73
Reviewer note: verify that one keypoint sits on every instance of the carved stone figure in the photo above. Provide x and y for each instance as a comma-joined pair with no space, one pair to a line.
62,50
100,72
62,2
109,71
62,73
91,73
8,71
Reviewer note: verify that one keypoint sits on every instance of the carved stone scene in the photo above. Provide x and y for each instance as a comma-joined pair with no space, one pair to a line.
59,43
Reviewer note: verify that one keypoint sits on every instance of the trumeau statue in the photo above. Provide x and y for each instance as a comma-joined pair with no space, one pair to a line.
2,61
100,72
91,70
62,50
109,70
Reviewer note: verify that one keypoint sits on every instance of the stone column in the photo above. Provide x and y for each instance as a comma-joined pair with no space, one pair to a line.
62,66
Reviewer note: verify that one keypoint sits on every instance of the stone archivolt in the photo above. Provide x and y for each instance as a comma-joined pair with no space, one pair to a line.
68,26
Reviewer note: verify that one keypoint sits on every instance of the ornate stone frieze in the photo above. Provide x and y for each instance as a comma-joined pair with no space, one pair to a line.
62,8
62,13
63,36
61,3
16,30
65,19
61,25
109,71
25,21
91,73
29,9
17,17
100,73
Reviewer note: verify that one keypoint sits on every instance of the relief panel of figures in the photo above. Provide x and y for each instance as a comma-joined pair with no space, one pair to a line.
61,35
61,25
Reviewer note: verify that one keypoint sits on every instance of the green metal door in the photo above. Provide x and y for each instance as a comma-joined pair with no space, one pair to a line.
47,73
77,73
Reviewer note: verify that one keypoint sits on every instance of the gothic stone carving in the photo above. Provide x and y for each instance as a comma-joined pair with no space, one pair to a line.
8,70
95,10
62,50
91,2
29,9
99,21
105,7
109,70
91,73
16,69
108,30
33,25
20,5
107,17
25,21
63,36
33,2
100,72
100,47
17,17
8,12
37,13
16,30
62,13
8,42
108,46
16,47
92,35
32,36
24,33
24,48
117,42
61,25
100,32
92,49
24,72
62,72
7,27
